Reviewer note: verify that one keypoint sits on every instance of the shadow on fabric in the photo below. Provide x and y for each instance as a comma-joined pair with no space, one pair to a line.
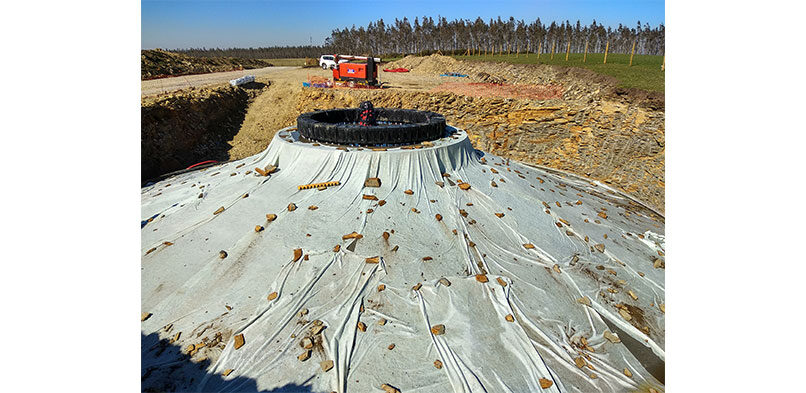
164,368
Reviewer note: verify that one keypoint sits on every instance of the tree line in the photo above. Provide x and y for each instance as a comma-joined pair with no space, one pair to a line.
428,35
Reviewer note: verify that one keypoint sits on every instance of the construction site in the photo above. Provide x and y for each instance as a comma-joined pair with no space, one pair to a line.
427,224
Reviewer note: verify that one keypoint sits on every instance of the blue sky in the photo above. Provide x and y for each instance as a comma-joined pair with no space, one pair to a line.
241,23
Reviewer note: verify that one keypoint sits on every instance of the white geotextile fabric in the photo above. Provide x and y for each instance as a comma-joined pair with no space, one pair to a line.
242,80
188,288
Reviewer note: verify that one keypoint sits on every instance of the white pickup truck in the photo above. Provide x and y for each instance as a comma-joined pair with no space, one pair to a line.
328,61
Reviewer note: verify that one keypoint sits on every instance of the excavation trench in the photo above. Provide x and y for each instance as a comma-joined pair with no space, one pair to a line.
187,127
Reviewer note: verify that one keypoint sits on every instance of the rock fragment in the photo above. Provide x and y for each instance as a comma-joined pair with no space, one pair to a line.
438,329
271,217
362,326
627,372
326,365
370,197
600,247
227,372
222,254
509,318
444,281
239,341
389,389
354,235
375,259
372,182
258,228
381,287
528,246
391,347
482,278
545,383
408,192
304,356
220,209
556,268
438,217
144,316
584,300
292,207
611,337
337,248
501,281
272,296
297,254
464,186
438,364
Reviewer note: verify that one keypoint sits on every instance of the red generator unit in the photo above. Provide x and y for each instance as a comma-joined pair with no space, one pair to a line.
359,73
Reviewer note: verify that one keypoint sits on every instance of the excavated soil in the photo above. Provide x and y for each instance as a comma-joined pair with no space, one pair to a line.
157,63
183,128
585,125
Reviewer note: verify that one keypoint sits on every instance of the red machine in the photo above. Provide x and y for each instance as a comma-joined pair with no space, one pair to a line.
357,73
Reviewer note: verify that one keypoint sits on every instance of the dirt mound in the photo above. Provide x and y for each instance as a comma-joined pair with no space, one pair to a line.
183,128
490,90
158,63
434,64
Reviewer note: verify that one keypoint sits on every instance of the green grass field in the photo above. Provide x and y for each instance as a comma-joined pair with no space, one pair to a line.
645,72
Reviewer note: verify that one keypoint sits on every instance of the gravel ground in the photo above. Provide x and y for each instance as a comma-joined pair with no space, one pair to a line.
163,85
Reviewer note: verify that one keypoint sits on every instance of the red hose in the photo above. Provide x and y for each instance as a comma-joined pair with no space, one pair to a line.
201,163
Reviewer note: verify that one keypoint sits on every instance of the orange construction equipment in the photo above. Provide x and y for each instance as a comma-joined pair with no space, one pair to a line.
357,73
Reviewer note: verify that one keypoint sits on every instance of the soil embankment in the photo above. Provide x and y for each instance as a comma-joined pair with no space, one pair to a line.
157,63
183,128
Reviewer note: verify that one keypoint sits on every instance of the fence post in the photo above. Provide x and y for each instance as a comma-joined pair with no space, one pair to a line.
585,57
567,50
607,46
633,52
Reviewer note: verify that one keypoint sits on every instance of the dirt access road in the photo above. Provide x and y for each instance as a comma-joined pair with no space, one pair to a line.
164,85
